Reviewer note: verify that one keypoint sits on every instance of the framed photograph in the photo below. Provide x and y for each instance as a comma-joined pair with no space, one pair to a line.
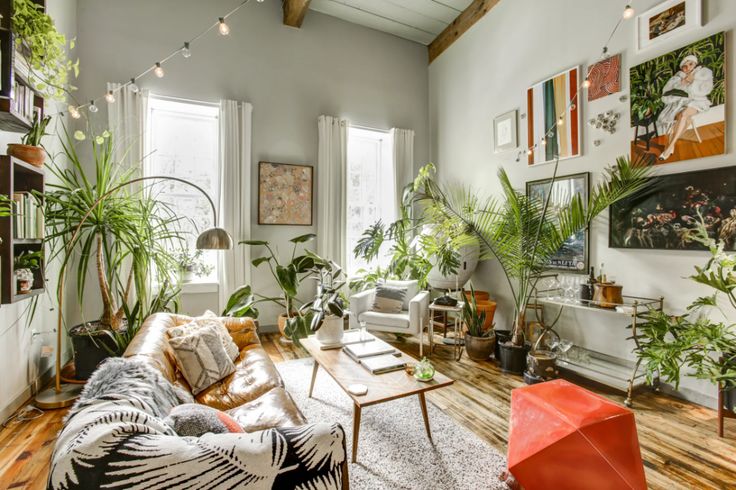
285,194
665,20
604,77
505,130
547,101
573,256
678,103
662,216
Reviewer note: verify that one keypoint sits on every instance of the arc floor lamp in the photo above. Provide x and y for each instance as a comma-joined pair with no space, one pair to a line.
64,394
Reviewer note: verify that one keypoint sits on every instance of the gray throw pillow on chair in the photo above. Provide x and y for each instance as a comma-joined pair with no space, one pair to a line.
388,299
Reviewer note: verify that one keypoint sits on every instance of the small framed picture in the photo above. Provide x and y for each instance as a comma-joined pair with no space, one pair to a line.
666,20
505,130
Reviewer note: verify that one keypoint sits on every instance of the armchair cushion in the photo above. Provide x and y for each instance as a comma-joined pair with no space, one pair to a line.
412,288
396,320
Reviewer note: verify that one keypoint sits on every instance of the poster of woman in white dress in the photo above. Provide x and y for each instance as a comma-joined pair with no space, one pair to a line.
678,103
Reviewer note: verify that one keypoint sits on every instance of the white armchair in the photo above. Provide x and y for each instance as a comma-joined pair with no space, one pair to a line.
410,321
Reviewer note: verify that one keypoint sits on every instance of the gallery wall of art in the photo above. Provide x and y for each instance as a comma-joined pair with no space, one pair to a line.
664,92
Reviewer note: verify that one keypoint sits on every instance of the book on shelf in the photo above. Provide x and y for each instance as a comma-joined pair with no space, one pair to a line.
368,349
385,363
27,216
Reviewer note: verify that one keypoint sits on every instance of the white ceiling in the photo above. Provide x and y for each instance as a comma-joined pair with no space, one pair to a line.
417,20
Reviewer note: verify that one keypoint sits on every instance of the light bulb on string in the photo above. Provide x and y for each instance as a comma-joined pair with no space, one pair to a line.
560,121
629,12
133,86
74,112
110,97
544,141
586,83
159,70
185,52
92,107
529,151
223,27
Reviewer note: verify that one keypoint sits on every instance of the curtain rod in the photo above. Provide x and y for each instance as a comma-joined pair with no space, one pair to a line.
368,128
173,98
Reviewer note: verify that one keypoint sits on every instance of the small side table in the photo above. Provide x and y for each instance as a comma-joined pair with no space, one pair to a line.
456,341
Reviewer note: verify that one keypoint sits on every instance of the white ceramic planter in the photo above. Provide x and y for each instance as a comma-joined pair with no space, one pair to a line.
331,331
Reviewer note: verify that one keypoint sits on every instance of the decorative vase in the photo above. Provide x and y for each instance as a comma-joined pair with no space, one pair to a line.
331,331
35,155
424,371
479,348
24,277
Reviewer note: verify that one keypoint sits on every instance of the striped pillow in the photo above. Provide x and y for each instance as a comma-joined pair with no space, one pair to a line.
388,299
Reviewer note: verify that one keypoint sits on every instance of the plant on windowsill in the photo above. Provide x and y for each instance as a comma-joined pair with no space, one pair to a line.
191,264
126,239
523,233
25,263
30,149
480,338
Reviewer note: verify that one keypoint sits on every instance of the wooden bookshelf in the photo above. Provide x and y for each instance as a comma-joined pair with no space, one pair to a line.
18,176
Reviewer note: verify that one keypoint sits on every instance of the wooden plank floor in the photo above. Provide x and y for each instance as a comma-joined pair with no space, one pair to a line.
678,439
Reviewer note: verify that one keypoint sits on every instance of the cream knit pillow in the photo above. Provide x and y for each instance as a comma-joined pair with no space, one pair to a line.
201,358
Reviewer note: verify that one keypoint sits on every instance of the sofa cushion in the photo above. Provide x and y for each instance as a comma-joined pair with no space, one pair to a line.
193,419
397,320
388,299
255,374
412,289
201,358
273,409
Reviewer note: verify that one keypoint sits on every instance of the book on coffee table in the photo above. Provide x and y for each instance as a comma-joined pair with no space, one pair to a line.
349,337
383,364
368,349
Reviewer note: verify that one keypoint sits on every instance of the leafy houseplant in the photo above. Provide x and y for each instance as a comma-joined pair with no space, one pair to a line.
328,307
522,232
25,263
479,340
30,150
191,264
45,48
669,345
126,237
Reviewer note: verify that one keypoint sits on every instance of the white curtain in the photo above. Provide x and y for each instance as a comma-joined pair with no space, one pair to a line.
403,158
235,193
126,119
331,188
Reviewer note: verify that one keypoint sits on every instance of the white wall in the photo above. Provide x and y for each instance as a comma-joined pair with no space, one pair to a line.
291,76
20,361
487,72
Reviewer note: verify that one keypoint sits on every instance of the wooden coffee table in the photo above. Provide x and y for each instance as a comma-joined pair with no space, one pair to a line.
381,387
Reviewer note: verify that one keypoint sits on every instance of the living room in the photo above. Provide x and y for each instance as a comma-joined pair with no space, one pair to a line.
368,244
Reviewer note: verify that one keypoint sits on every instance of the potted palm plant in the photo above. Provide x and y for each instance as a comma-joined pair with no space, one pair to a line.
523,233
480,339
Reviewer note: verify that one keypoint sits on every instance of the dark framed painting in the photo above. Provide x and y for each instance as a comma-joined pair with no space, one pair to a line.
573,256
285,194
678,103
662,216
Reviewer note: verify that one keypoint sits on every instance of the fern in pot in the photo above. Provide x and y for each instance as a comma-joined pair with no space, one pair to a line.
480,340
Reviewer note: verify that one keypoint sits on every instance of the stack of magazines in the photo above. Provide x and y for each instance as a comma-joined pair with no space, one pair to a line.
377,356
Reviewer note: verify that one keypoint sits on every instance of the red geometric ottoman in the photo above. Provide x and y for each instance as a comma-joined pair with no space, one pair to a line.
563,436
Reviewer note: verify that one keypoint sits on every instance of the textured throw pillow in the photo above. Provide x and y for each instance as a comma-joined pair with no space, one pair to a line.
193,419
209,319
201,358
388,299
412,289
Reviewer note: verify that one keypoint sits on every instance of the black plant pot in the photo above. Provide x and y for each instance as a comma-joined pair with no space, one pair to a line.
502,336
89,342
513,358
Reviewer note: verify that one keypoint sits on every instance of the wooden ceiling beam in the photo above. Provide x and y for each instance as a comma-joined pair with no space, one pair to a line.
294,12
472,14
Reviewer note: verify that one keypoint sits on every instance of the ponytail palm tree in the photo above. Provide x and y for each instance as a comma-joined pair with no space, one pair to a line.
524,232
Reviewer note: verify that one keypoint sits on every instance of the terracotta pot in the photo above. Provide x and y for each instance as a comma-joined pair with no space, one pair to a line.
282,327
35,155
479,348
479,295
490,308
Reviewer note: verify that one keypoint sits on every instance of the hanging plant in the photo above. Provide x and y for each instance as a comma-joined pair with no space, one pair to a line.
45,49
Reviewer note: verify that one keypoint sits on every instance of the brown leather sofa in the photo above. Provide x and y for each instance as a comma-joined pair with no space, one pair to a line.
254,394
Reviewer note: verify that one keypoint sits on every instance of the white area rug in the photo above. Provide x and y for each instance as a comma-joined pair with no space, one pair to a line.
393,450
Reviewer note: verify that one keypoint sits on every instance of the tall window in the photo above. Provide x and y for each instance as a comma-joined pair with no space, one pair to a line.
183,142
370,188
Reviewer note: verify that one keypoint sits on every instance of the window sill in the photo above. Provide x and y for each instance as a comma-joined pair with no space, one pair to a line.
199,287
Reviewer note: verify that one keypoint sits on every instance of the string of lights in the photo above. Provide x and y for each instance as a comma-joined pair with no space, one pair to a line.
157,68
627,14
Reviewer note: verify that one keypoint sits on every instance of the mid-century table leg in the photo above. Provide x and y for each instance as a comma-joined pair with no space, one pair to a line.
421,337
356,430
314,377
423,405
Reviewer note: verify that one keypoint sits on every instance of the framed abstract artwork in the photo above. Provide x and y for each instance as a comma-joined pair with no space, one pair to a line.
505,128
573,256
678,103
666,20
604,78
548,101
662,216
285,194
